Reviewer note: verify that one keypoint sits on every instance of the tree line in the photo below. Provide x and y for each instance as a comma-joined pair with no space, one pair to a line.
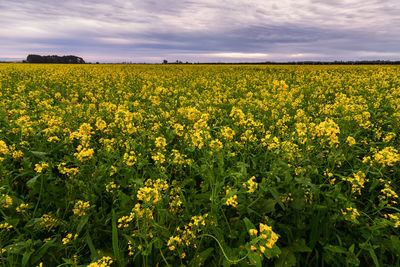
357,62
70,59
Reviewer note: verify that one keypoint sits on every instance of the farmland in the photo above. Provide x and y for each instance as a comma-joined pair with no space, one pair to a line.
114,165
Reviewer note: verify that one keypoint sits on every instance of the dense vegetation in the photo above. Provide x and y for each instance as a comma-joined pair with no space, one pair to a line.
54,59
199,165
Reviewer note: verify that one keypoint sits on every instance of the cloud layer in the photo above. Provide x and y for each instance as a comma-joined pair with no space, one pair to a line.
206,30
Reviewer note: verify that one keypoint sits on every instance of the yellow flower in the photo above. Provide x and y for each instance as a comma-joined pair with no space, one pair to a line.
387,156
100,124
253,231
80,208
22,208
351,141
3,148
67,239
40,167
231,201
105,261
251,184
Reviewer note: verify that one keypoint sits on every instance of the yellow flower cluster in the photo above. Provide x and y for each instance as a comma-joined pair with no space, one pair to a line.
175,201
266,238
232,201
3,149
389,194
389,136
22,208
351,213
395,218
68,238
351,141
5,201
49,222
105,261
81,208
328,129
125,221
251,185
387,156
70,172
216,145
101,124
41,166
357,182
143,211
188,234
130,158
6,226
111,187
161,142
84,153
227,133
151,193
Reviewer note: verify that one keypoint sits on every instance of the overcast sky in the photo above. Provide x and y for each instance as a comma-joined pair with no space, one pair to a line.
198,31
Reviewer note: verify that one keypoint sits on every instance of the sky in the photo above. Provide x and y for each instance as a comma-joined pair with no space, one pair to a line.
201,31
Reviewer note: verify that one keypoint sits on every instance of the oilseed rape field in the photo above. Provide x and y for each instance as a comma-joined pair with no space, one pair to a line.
199,165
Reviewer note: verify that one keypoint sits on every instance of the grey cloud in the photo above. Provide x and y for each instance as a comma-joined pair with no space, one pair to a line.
140,30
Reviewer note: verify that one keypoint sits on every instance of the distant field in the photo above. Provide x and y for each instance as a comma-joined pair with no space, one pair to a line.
175,165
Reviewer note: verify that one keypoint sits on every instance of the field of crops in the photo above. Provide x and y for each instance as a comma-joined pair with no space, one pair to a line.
169,165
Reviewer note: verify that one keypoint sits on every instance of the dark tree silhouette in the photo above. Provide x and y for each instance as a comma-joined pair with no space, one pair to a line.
55,59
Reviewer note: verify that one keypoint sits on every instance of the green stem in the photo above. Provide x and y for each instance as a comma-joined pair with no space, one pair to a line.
358,253
252,203
223,251
165,260
40,194
226,220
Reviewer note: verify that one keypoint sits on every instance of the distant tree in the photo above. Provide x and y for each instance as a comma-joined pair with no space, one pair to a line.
70,59
165,61
34,59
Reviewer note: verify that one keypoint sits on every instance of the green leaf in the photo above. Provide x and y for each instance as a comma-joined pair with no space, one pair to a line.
39,154
82,224
42,251
298,204
335,249
92,249
395,243
276,196
373,256
268,205
272,252
300,246
16,248
115,237
249,224
287,258
316,230
351,248
255,259
26,257
200,258
32,182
